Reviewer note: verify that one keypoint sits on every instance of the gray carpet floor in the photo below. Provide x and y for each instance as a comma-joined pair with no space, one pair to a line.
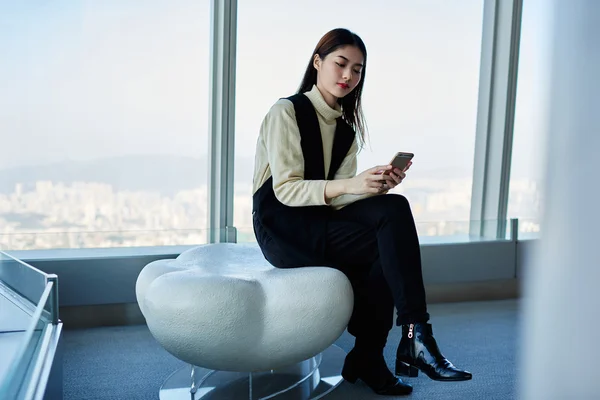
119,363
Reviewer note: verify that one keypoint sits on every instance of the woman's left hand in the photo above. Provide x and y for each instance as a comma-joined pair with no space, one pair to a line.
398,176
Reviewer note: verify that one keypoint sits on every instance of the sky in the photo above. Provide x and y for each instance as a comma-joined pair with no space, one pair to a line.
82,80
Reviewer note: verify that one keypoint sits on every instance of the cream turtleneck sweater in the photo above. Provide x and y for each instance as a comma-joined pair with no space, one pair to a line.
279,154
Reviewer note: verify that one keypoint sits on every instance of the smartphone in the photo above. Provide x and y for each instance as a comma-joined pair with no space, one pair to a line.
400,161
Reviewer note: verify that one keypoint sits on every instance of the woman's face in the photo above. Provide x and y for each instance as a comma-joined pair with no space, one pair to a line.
339,72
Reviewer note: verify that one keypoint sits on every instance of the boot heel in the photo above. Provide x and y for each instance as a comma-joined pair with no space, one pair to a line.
349,375
404,369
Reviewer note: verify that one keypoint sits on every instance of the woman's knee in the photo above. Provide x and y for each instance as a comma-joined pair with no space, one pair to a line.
395,202
396,207
389,207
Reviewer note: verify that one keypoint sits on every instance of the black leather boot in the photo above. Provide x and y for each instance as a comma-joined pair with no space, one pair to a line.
419,351
373,371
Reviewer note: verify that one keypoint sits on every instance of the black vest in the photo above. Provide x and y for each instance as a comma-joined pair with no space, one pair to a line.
296,236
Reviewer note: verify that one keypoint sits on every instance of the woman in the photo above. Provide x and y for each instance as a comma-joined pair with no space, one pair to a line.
310,208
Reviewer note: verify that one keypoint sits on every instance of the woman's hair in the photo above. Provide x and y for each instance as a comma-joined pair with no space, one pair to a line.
351,104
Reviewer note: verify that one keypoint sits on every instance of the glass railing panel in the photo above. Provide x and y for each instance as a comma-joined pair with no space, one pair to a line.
26,359
435,232
25,280
74,239
529,228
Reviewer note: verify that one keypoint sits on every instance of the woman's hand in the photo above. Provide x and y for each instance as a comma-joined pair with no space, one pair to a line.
372,180
398,176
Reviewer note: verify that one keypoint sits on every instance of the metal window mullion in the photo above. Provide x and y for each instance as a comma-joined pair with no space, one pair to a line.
222,121
495,117
511,105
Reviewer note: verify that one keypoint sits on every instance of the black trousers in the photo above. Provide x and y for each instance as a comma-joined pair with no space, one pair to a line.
374,242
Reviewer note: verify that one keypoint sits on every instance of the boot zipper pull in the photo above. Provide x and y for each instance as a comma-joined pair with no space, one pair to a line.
410,331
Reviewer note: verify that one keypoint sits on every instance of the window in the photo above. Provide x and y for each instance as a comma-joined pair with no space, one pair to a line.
526,177
103,108
420,92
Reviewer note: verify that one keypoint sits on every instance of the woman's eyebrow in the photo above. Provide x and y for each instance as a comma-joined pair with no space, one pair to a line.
360,65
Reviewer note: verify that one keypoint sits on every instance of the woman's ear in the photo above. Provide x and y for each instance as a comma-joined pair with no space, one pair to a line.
317,62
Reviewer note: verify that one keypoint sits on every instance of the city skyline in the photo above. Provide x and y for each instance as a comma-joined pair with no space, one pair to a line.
58,215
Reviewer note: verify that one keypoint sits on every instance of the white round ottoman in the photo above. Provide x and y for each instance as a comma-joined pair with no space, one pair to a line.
223,307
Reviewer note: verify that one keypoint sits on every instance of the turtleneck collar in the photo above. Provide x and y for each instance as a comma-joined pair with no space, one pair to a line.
321,106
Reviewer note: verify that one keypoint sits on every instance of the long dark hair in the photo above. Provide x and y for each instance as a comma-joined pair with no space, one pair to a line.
351,104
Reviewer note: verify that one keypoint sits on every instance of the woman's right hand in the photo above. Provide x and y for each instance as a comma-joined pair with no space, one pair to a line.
372,180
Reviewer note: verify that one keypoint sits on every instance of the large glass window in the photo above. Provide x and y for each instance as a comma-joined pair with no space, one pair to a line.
525,199
103,113
420,92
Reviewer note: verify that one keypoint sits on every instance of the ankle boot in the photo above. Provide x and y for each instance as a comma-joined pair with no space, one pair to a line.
418,350
373,371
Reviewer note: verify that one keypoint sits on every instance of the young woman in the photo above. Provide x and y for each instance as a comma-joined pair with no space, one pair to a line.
310,208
